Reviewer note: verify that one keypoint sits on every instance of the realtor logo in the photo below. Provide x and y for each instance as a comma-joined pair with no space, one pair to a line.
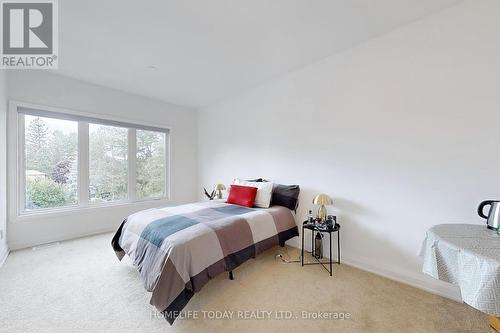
29,34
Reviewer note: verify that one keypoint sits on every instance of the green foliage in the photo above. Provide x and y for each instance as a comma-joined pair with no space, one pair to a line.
62,147
37,137
108,163
37,133
44,149
150,164
52,152
44,193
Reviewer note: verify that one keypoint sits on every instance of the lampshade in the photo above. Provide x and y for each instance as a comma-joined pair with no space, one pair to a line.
322,199
219,187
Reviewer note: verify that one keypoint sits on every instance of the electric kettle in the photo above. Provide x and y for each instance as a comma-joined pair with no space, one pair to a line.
493,216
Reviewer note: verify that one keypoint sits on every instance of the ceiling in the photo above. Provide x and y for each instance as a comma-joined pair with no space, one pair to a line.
197,52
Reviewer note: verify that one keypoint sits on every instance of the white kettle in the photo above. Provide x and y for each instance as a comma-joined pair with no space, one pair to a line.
493,216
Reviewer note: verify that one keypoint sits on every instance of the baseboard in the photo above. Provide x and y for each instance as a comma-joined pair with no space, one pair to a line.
418,281
4,252
20,246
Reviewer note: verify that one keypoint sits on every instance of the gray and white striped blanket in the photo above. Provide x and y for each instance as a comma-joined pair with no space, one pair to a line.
178,249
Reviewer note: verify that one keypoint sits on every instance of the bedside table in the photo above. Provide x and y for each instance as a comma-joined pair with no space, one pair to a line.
322,229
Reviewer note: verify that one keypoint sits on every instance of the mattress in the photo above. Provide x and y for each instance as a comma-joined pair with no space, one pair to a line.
177,250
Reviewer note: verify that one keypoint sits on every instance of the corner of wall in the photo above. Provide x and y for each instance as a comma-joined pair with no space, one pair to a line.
4,250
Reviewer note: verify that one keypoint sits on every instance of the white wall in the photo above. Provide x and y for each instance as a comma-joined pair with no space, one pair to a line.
402,131
42,88
3,166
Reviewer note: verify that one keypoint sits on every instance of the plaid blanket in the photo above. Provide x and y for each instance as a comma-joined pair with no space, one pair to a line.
178,249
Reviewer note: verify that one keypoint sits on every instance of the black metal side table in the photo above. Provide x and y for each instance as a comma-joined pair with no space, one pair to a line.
322,229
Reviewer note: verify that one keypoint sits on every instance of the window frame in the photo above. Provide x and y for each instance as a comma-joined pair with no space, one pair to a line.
83,201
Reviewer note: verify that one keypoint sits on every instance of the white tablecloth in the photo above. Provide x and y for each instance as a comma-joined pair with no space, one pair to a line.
469,256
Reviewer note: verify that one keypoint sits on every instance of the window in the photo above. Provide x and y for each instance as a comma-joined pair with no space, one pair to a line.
70,160
51,162
150,164
108,146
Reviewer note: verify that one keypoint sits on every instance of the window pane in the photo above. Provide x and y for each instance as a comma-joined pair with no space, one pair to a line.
108,173
51,162
150,164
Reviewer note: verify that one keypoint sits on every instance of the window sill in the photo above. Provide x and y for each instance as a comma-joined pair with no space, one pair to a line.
67,211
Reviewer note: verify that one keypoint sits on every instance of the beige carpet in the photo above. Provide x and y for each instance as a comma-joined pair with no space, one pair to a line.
80,286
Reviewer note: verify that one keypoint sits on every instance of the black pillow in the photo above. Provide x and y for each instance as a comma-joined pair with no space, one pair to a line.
286,196
283,195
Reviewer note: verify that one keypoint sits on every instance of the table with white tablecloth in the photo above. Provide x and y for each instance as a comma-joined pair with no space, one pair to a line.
468,256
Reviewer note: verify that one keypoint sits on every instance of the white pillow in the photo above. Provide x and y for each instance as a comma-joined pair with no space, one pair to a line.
264,191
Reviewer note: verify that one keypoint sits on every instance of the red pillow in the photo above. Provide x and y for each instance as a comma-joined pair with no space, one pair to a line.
242,195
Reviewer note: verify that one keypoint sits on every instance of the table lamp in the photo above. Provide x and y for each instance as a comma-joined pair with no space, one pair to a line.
219,188
322,200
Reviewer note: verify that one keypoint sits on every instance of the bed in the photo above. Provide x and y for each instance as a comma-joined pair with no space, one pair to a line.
177,250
